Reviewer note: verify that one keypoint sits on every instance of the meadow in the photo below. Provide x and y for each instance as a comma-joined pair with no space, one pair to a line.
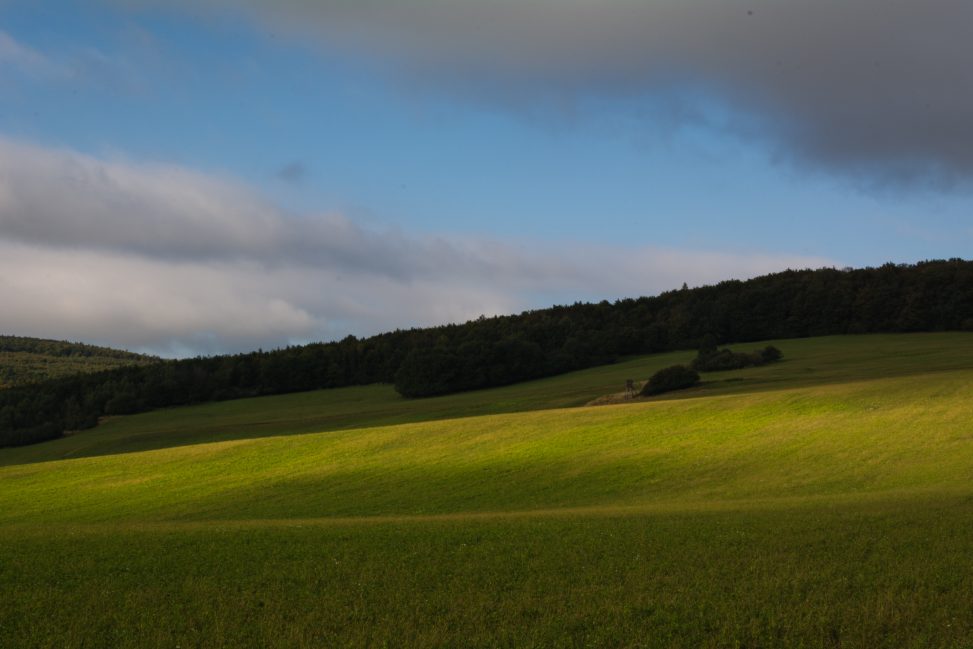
824,501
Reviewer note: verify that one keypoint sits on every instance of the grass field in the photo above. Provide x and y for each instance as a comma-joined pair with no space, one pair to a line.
825,501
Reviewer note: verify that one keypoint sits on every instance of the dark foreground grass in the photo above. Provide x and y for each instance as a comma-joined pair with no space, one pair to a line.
893,573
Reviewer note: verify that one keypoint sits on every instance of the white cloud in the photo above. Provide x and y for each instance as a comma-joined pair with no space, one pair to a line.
170,260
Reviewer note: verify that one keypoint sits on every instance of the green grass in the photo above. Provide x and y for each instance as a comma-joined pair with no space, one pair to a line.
825,501
889,573
807,362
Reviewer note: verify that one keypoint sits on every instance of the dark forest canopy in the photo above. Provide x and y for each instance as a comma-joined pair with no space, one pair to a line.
928,296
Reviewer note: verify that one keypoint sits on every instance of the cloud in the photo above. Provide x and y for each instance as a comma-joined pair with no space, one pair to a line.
174,261
141,303
875,88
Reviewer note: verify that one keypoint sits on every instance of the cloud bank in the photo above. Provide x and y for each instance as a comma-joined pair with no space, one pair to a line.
874,88
174,261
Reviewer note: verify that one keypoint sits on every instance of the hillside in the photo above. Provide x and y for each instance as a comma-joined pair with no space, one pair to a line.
822,501
31,360
492,352
807,362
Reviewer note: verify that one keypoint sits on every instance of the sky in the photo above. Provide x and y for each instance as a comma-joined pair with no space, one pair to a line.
202,177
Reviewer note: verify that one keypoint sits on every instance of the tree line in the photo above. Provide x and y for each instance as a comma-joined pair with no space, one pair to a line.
927,296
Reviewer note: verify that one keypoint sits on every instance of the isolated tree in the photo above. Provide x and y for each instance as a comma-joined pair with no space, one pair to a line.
770,354
676,377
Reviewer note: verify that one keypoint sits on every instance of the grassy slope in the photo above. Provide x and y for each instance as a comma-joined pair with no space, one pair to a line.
808,362
823,501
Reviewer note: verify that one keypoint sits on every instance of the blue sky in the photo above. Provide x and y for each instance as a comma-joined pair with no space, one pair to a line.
513,170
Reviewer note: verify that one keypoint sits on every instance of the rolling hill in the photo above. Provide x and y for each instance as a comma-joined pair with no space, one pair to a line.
31,360
822,502
503,350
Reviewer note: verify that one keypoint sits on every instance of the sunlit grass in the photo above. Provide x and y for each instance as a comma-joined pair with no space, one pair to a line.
824,501
807,362
881,435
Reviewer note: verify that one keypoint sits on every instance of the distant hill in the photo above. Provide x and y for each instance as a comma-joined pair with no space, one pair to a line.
26,360
492,352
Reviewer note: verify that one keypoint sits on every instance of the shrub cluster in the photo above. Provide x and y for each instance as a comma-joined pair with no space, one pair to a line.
677,377
724,359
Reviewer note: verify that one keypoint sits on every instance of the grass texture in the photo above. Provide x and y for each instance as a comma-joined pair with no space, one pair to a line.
825,501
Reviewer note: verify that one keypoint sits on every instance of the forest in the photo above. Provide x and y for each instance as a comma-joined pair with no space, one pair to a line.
33,360
927,296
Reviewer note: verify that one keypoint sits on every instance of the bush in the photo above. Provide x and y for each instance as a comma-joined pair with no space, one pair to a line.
721,361
677,377
724,359
771,354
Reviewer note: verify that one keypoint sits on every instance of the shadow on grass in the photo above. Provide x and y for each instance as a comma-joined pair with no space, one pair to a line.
808,362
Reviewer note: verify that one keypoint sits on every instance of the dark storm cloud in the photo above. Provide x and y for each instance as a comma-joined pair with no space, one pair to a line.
879,87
